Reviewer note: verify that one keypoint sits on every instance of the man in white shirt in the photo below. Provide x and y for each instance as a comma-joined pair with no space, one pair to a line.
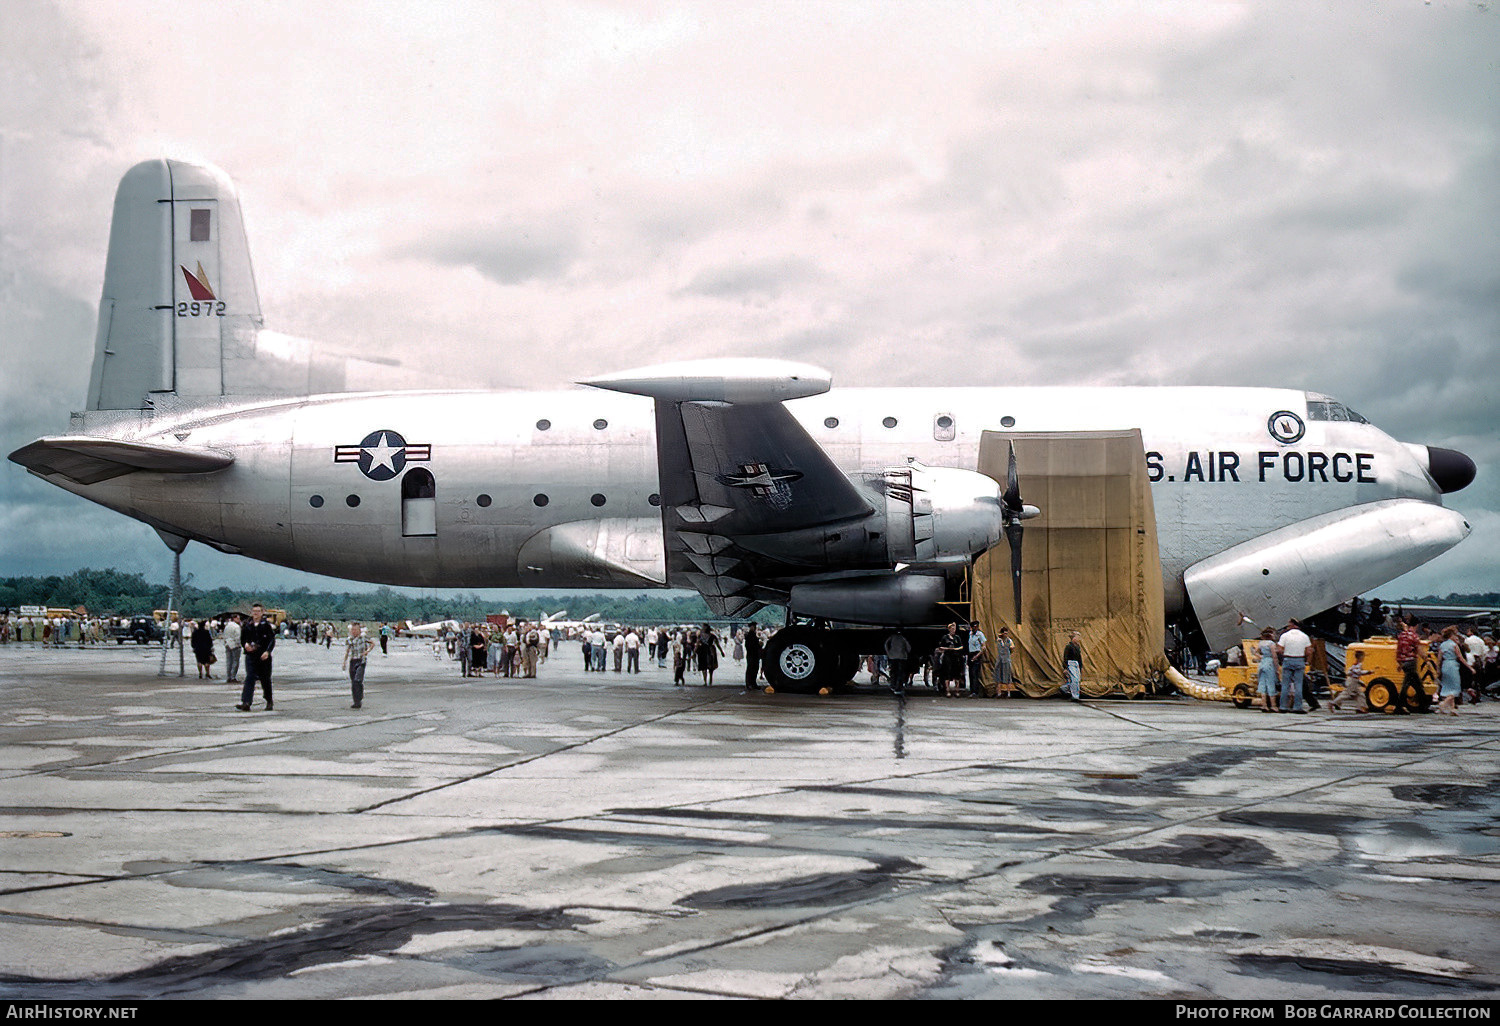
598,649
232,648
1475,644
1292,647
633,652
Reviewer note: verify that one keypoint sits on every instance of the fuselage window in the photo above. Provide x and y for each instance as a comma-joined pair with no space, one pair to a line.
831,422
316,502
540,500
351,501
600,424
654,499
942,428
889,422
484,500
1007,422
543,424
597,499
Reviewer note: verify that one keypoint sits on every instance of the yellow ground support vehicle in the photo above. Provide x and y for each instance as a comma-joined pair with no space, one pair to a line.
1386,690
1239,681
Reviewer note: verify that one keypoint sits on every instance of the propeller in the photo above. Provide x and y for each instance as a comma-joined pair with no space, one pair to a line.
1014,511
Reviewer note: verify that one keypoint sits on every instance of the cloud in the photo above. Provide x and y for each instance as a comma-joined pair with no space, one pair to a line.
508,255
757,279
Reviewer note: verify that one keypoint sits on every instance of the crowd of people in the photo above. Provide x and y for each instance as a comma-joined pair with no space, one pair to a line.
1468,664
59,630
958,666
518,648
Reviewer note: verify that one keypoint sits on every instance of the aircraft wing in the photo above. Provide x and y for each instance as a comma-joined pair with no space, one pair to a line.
87,459
745,491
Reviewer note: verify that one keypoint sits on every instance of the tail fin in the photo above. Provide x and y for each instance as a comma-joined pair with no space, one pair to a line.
179,302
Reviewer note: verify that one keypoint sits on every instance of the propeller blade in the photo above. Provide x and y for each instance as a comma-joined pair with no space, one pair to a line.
1013,533
1014,511
1012,494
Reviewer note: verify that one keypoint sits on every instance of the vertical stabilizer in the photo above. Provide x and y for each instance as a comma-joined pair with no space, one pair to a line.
179,293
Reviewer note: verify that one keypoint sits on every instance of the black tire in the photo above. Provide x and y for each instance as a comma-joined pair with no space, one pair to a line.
1241,697
796,660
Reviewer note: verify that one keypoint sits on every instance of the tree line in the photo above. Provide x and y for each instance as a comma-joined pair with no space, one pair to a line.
113,593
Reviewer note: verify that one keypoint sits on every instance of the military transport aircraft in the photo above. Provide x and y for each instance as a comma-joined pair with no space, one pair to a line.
750,481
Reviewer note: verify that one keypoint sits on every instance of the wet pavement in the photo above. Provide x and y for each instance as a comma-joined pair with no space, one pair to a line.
609,835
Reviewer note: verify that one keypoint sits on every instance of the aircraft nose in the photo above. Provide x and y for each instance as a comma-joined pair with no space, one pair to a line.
1450,468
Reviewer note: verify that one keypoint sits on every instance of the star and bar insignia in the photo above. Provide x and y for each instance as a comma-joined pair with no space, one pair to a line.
771,486
759,477
382,455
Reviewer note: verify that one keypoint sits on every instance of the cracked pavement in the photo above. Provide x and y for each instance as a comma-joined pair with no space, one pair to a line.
608,835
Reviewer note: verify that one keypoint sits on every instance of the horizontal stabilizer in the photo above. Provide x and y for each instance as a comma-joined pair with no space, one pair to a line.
86,460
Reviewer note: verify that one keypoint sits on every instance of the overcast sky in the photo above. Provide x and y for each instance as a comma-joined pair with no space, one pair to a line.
1299,194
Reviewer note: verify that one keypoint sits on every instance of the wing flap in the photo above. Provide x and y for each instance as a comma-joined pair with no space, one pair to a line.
87,459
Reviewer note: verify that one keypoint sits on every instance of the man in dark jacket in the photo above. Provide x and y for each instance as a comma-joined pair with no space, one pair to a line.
752,657
259,639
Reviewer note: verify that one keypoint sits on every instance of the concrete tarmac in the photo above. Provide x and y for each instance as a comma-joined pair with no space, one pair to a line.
610,835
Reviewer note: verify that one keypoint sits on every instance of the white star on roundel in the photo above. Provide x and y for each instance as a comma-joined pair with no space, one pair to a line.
382,453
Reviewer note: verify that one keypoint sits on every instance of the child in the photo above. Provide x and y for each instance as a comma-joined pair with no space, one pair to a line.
1354,684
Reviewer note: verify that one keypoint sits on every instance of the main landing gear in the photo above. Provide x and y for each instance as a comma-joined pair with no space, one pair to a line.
806,659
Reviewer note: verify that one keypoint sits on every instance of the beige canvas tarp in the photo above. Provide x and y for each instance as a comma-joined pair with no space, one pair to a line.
1089,562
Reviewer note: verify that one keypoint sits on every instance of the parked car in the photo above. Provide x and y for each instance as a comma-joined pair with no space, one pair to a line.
140,629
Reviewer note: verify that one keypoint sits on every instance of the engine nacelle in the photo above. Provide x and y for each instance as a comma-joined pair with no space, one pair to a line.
1313,565
901,600
935,514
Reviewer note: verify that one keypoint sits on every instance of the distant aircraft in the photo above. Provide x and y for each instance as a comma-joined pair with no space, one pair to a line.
556,621
746,480
430,630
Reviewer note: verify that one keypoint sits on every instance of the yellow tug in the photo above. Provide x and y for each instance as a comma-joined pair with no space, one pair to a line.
1384,690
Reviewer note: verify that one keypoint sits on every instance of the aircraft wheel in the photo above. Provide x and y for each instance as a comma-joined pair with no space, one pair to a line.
1241,697
795,661
1415,697
1380,695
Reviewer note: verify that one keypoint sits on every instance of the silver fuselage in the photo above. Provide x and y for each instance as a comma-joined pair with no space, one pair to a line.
539,460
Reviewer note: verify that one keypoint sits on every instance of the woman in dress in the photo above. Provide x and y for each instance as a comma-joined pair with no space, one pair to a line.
203,650
1453,656
1269,671
679,659
708,653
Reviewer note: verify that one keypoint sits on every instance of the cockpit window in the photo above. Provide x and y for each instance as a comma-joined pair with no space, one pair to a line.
1329,409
